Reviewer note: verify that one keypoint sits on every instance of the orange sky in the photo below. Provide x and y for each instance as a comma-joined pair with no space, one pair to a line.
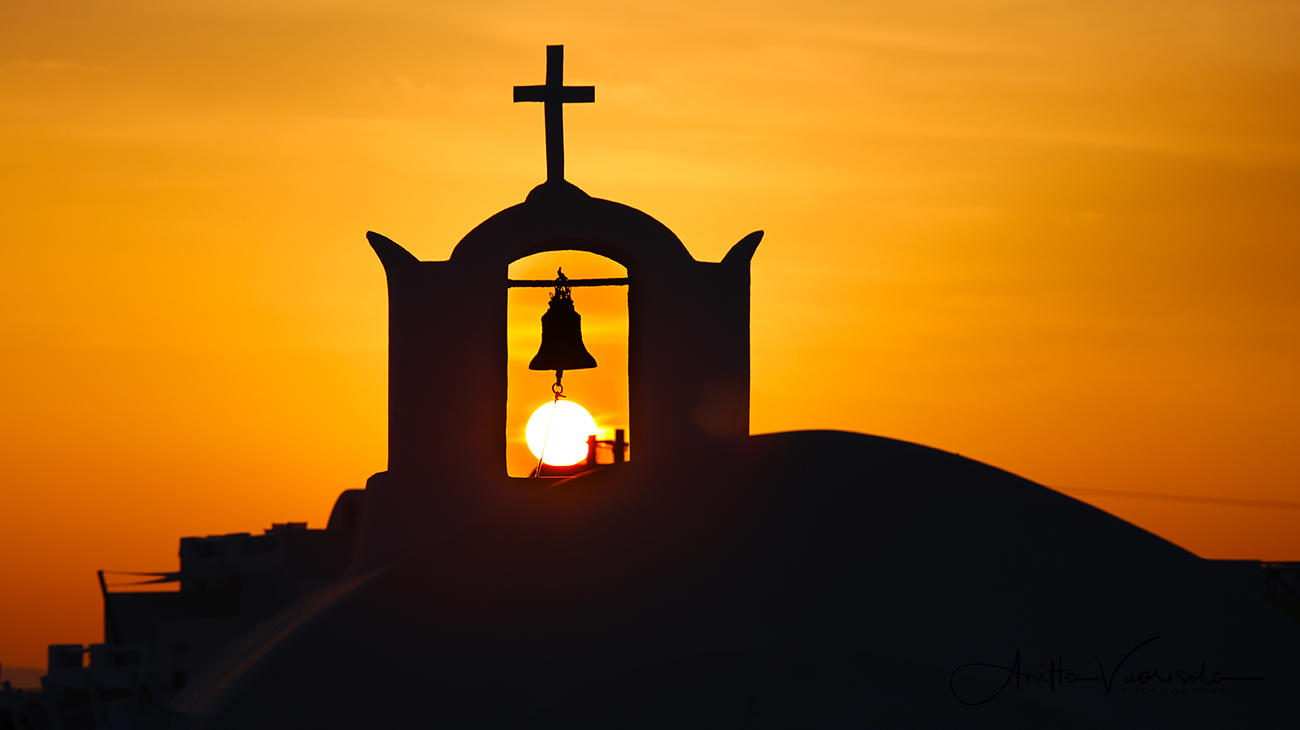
1060,238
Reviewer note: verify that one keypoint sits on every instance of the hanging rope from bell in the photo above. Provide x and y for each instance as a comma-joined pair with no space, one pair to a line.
562,348
546,441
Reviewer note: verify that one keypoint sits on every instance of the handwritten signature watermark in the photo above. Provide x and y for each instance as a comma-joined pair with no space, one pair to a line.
970,682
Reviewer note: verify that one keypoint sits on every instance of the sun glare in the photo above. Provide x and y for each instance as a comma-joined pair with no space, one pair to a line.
568,424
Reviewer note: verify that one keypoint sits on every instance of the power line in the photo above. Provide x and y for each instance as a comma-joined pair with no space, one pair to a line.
1266,503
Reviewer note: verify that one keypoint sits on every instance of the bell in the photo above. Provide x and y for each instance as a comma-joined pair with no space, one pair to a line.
562,347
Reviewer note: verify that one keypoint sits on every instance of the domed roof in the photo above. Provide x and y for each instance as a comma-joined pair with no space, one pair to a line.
809,579
560,213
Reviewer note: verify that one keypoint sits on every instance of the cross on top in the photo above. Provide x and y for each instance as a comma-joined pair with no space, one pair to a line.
553,95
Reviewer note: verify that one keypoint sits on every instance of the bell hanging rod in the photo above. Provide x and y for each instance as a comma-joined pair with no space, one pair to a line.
569,282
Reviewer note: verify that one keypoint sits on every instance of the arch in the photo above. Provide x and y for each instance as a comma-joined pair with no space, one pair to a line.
607,328
603,247
688,348
570,219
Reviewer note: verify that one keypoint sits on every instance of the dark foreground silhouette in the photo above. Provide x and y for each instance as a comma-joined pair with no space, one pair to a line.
807,579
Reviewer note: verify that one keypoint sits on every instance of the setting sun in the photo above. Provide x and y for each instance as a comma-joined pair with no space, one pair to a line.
568,424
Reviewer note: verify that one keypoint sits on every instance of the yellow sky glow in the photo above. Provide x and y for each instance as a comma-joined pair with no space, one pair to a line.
1056,237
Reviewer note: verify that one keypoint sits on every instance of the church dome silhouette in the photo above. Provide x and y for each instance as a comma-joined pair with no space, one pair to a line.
803,579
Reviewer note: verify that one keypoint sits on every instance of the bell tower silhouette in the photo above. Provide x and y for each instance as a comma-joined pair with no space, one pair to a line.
688,343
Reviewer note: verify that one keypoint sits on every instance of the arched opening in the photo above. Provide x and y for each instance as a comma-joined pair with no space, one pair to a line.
604,390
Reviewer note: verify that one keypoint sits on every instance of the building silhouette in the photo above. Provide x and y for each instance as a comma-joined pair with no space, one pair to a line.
156,641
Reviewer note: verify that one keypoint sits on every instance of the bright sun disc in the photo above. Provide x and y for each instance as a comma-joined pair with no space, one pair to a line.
570,428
